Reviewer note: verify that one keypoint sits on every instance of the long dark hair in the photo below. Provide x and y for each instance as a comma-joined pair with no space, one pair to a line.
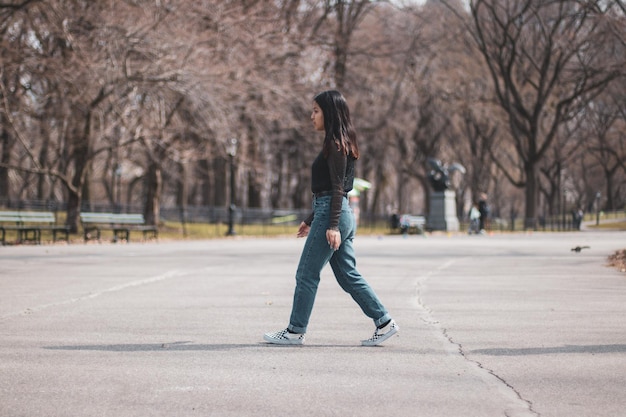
337,123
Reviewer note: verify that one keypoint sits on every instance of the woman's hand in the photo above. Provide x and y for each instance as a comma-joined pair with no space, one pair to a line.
334,238
303,230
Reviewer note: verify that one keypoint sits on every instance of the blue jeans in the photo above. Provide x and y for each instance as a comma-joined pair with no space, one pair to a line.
316,254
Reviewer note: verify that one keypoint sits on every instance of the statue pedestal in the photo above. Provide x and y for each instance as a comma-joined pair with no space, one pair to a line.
442,215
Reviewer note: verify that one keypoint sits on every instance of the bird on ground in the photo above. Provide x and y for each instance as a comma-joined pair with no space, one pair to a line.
579,248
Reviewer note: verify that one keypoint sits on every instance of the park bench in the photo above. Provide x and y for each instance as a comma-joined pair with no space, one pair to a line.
121,224
28,226
410,223
283,217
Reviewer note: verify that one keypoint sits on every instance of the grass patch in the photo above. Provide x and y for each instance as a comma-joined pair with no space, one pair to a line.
621,226
198,231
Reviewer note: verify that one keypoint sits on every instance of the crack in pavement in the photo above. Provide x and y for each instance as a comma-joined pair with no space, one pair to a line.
518,395
518,405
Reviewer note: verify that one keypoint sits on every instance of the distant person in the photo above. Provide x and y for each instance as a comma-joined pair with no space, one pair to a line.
484,210
577,218
394,221
330,229
474,219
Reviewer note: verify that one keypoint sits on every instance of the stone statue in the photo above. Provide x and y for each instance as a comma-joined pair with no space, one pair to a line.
442,213
439,174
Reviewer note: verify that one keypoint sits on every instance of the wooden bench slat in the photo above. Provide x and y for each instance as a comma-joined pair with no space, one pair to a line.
29,225
409,222
120,223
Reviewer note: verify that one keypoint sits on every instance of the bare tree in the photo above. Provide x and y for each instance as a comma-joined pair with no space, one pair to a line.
546,59
157,88
607,141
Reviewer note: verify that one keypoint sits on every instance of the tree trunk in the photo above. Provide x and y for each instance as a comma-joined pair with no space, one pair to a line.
73,210
530,218
206,187
80,158
154,184
42,179
5,158
254,191
609,175
182,189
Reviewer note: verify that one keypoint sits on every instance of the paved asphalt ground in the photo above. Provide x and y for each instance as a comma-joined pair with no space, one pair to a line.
502,325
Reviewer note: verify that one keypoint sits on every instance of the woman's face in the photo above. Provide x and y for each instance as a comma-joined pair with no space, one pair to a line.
317,117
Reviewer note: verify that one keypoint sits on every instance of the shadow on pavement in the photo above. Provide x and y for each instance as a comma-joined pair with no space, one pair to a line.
189,346
552,350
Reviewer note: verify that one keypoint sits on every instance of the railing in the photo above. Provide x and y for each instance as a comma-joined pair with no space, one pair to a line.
556,223
292,217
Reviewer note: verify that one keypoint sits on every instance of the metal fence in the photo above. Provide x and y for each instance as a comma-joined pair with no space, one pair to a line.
250,216
190,214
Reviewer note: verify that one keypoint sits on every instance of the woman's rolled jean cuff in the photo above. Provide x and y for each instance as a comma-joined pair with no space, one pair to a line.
295,329
384,319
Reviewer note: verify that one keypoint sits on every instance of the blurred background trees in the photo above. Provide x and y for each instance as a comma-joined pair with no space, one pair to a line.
130,104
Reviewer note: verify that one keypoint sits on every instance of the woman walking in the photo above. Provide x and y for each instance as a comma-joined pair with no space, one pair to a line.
330,229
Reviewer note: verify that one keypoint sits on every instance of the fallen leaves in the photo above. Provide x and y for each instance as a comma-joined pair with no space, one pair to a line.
618,260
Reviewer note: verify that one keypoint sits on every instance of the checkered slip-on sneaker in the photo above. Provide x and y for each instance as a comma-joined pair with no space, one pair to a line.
380,335
283,337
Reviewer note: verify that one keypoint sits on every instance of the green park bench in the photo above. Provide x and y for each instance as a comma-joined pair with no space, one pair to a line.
28,226
121,224
409,223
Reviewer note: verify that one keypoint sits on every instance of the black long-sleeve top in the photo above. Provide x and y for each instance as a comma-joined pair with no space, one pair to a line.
333,173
